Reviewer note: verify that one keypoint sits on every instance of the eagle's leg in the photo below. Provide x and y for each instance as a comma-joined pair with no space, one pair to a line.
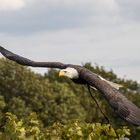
105,116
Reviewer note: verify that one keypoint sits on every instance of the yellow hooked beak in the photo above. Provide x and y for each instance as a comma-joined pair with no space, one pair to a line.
61,73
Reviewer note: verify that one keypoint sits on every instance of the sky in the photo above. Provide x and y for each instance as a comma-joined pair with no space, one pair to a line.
103,32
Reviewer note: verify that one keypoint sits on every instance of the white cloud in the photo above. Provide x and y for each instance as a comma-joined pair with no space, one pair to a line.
68,2
57,30
40,15
106,12
107,5
11,4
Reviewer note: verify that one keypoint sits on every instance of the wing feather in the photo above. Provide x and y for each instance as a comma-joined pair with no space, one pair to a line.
121,105
126,110
24,61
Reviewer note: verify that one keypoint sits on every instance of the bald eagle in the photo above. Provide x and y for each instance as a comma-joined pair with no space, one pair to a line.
123,107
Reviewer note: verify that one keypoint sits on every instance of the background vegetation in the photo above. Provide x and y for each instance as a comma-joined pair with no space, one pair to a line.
34,106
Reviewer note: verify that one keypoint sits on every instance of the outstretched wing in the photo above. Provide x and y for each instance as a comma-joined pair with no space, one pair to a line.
125,109
121,105
24,61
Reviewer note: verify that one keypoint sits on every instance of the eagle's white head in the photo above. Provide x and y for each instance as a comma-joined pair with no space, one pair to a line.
69,72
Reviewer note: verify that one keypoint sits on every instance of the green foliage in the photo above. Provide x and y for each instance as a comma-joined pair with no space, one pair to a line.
30,129
75,130
43,106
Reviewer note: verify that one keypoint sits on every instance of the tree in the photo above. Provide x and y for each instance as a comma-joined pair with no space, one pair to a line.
57,101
